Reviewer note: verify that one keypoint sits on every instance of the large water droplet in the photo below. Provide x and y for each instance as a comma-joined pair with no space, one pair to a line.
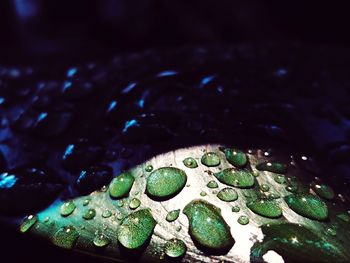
307,205
28,223
136,229
173,215
175,248
67,208
101,240
273,167
296,243
227,195
265,207
236,157
323,191
207,227
190,162
65,237
89,214
241,179
210,159
165,182
121,185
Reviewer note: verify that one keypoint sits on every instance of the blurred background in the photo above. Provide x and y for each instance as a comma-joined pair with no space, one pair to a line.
32,28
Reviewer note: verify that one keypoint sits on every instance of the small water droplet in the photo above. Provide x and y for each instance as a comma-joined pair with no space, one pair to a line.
264,187
121,185
243,220
175,248
344,217
207,227
67,208
149,168
86,202
323,191
307,205
273,167
235,209
134,203
165,182
280,179
106,213
66,237
203,193
173,215
236,157
136,229
178,228
227,194
210,159
101,240
212,184
241,179
28,223
190,162
331,231
89,214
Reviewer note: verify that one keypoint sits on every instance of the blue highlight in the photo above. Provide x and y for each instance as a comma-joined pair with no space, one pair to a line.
167,73
129,88
7,181
130,124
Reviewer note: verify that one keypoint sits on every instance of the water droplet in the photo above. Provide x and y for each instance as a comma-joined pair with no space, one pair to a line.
121,185
66,237
175,248
86,202
273,195
235,209
241,179
165,182
190,162
210,159
136,229
67,208
203,193
280,179
28,223
173,215
344,217
264,187
323,191
227,194
243,220
134,203
292,188
106,213
212,184
265,207
207,227
307,205
101,240
236,157
89,214
273,167
178,228
331,231
149,168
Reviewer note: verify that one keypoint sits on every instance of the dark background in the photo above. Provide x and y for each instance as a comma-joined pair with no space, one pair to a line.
33,28
36,31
